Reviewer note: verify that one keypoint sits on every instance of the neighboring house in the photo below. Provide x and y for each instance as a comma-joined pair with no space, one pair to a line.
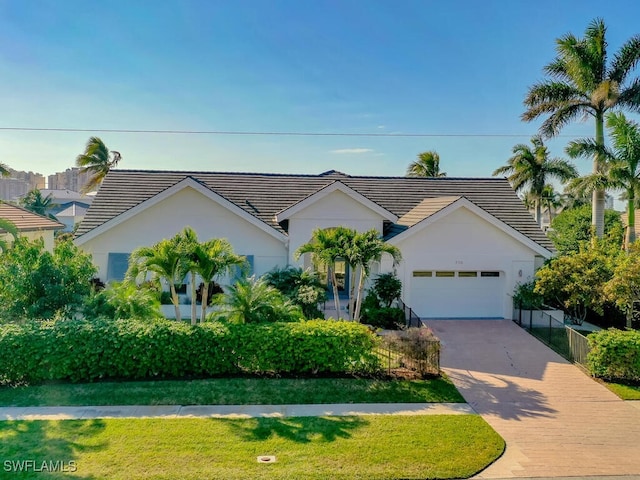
465,242
68,206
29,224
623,217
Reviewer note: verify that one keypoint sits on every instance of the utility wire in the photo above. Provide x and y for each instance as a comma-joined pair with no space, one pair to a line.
296,134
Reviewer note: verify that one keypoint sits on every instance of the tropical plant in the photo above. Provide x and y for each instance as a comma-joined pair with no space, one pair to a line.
623,288
387,287
622,162
36,203
4,170
253,300
163,261
38,284
97,160
426,165
531,167
122,300
584,84
302,287
551,201
7,228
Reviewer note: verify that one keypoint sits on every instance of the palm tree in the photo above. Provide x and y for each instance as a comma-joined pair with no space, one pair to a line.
426,165
98,160
531,167
164,260
212,259
551,201
622,163
4,170
36,203
9,228
584,85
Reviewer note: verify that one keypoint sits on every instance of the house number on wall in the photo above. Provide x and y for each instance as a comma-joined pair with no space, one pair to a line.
459,262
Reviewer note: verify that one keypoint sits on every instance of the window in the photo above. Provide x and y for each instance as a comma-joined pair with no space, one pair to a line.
467,274
245,270
445,274
117,264
420,273
489,274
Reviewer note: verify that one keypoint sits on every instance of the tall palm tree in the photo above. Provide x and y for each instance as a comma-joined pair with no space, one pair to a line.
531,167
551,201
4,170
584,84
622,163
426,165
98,160
36,203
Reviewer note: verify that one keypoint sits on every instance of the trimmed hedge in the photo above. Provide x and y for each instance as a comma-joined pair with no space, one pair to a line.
80,350
615,354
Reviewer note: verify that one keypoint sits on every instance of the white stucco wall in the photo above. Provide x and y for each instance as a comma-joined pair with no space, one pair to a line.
188,207
46,235
463,241
335,209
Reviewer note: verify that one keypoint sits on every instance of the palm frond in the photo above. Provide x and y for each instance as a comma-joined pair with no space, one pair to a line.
625,60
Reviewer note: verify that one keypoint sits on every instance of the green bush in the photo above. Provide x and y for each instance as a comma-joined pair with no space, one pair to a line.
388,318
615,354
525,298
80,350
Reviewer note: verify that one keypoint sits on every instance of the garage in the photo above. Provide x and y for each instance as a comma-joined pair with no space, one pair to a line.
458,294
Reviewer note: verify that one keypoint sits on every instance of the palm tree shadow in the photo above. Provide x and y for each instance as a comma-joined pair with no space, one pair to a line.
296,429
57,443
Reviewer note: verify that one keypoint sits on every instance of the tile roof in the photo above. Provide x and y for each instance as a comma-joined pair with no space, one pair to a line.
424,209
264,194
25,220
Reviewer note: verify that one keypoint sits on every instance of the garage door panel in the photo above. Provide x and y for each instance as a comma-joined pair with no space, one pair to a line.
458,296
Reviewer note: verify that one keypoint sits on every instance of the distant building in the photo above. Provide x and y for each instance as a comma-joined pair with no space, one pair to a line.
71,179
69,207
19,183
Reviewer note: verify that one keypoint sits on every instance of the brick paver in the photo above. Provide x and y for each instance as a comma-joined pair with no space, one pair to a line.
555,420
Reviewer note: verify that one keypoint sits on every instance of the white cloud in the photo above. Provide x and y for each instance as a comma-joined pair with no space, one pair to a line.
382,127
348,151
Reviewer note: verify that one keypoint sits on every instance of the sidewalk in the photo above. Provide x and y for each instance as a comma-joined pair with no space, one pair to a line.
231,411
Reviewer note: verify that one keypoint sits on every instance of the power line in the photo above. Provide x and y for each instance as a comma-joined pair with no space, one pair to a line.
283,134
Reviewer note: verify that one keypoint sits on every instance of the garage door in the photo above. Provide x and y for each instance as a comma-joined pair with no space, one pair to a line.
457,294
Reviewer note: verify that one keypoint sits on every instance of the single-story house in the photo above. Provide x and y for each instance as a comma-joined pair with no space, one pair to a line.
466,242
29,224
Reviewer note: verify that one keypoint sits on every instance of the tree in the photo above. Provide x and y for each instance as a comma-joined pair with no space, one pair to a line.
37,284
10,229
4,170
531,167
623,288
572,227
163,261
36,203
583,84
211,260
302,287
426,165
577,280
623,162
551,201
97,160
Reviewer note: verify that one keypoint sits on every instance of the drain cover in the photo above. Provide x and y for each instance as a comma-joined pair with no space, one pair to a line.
266,459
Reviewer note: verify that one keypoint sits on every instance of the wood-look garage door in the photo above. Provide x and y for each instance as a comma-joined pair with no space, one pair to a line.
457,294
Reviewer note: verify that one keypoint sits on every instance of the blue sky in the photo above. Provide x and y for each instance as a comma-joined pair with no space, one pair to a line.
441,68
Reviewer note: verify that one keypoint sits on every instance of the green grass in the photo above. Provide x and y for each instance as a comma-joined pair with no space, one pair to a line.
625,392
372,447
234,391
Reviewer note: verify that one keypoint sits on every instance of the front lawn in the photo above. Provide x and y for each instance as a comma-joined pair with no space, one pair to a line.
234,391
625,392
372,447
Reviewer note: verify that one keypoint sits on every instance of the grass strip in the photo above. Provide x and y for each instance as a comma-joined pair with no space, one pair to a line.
625,392
233,391
371,447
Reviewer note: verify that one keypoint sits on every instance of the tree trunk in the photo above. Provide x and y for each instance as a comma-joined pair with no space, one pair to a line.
597,206
352,290
360,291
205,301
539,213
336,298
175,300
194,314
630,235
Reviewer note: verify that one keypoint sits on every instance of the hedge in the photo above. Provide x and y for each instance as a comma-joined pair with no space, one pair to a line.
81,350
615,354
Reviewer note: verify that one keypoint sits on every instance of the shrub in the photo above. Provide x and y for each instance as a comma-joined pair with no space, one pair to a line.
302,287
388,288
388,318
615,354
81,351
123,300
525,298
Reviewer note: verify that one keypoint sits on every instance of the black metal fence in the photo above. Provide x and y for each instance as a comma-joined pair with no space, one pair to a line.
563,339
411,319
415,350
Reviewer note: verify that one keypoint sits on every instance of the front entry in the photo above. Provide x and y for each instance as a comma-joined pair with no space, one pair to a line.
342,278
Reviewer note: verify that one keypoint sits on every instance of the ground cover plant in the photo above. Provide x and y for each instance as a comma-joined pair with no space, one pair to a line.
234,391
371,447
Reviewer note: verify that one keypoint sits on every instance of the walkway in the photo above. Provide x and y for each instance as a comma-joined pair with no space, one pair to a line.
555,420
231,411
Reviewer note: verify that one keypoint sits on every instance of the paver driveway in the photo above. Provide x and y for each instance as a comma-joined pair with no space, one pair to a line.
555,419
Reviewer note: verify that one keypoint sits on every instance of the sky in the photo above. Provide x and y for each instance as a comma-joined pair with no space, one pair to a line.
455,72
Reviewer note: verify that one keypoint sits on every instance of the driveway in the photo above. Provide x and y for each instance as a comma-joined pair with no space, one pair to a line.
555,420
